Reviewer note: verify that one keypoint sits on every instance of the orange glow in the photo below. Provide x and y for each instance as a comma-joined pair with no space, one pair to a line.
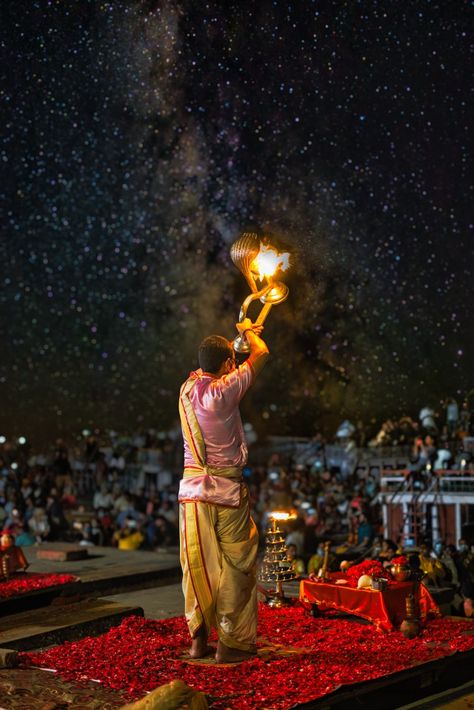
268,261
282,515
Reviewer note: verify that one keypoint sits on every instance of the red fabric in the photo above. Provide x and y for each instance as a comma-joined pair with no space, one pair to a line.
385,609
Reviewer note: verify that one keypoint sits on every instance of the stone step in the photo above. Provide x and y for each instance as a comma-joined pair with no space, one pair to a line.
38,598
57,623
123,580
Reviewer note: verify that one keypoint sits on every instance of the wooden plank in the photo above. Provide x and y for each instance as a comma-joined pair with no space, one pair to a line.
62,552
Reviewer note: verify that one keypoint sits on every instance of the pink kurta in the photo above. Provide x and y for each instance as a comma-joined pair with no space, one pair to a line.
215,402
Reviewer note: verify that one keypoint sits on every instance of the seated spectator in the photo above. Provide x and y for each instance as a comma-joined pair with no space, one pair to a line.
466,556
427,420
23,537
316,561
168,511
39,524
92,533
61,469
103,498
443,460
387,551
297,564
28,510
365,531
130,512
106,524
57,522
432,567
467,592
448,555
161,533
370,487
129,537
122,501
296,536
69,498
375,549
101,468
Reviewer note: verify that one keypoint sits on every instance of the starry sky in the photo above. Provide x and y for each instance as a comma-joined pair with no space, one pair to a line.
139,138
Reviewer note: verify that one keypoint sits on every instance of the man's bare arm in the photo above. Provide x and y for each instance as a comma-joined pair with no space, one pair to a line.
258,348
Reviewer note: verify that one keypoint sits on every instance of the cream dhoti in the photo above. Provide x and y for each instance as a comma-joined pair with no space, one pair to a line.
218,558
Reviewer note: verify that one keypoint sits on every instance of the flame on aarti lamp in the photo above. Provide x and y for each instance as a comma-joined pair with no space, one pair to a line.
268,261
282,515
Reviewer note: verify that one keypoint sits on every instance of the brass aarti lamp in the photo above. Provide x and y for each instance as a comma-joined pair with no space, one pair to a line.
259,262
276,566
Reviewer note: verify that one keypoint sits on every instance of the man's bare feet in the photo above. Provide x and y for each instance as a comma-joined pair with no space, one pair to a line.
199,647
224,654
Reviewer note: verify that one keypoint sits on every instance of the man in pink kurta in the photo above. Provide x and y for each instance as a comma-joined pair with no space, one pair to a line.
219,543
215,402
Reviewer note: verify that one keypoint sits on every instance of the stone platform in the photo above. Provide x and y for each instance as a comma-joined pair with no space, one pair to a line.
104,571
58,623
107,568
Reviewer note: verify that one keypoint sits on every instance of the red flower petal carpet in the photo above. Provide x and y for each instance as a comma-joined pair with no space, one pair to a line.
31,582
308,657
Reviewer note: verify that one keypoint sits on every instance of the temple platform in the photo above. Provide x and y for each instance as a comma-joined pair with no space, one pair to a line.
104,570
116,585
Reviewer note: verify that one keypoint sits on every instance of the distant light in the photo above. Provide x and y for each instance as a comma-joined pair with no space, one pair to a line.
86,432
21,440
305,505
3,439
14,465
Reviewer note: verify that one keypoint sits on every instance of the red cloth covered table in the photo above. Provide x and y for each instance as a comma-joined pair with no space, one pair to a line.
385,609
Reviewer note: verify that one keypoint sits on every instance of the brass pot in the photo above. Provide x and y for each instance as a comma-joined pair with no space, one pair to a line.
400,573
410,628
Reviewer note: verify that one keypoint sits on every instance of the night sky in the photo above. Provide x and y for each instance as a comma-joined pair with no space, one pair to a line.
140,138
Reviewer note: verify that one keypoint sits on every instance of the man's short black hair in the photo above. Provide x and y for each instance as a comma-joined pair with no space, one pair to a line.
213,352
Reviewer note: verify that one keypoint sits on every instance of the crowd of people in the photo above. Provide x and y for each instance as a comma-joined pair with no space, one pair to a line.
84,496
87,495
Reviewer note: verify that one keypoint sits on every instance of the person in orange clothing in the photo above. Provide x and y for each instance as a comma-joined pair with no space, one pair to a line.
12,558
433,568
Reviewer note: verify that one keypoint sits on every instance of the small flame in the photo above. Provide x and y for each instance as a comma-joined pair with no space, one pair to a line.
281,515
268,261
